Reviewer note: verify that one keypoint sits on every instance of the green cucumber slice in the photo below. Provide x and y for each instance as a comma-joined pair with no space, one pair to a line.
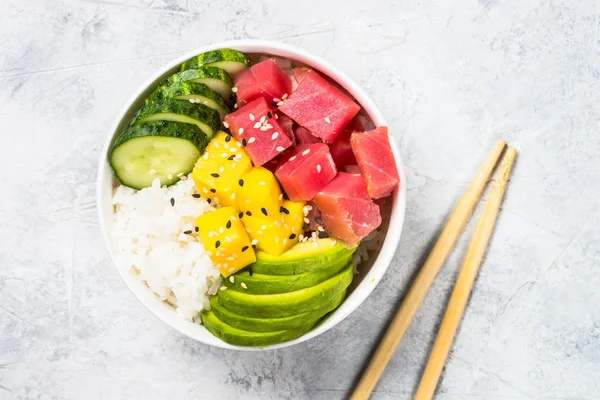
230,60
240,337
157,149
189,91
276,324
205,118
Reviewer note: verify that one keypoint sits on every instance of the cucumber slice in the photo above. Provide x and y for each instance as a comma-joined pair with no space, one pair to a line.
190,91
230,60
157,149
215,78
205,118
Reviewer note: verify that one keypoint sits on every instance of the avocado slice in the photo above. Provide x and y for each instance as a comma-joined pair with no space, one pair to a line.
276,324
303,257
273,284
240,337
285,304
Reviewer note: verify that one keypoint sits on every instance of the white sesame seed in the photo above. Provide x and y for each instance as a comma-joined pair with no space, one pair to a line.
327,120
238,144
234,89
232,197
241,131
259,232
333,243
262,183
223,155
231,279
235,105
170,176
268,126
225,124
216,145
263,128
233,150
263,227
243,285
248,230
281,197
284,96
257,125
205,190
320,229
262,119
223,287
292,158
221,169
229,259
216,200
205,156
279,103
293,229
276,116
285,241
276,239
183,177
227,239
280,148
306,221
252,118
254,242
233,218
301,237
277,223
276,100
252,139
221,230
305,152
286,226
179,174
231,270
274,135
319,168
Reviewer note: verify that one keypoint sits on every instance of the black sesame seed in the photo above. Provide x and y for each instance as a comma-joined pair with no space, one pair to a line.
240,215
217,244
285,197
227,138
284,210
208,201
231,157
274,104
318,220
248,213
305,226
228,224
244,142
213,190
241,182
187,232
323,235
264,211
253,246
196,196
293,236
269,114
215,175
196,229
231,96
172,202
244,248
249,271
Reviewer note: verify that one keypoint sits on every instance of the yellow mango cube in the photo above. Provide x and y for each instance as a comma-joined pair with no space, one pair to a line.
225,239
258,193
218,170
277,235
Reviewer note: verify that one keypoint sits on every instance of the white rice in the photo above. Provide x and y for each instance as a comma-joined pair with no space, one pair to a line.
149,233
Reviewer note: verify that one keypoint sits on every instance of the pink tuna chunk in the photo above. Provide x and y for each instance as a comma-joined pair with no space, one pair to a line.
305,170
263,140
303,136
320,107
376,161
266,79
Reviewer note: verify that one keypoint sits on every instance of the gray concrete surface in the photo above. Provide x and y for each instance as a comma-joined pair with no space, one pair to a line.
451,76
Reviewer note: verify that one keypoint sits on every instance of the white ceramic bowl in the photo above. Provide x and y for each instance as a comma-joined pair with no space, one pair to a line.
370,274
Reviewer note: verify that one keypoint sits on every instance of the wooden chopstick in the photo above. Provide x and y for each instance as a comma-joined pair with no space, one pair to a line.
426,275
465,280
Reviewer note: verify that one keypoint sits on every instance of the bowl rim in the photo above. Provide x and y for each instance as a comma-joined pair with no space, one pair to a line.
383,259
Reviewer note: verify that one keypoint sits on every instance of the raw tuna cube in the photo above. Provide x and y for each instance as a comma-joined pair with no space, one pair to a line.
288,126
263,136
303,136
305,171
341,151
352,169
320,107
376,161
266,79
300,72
347,212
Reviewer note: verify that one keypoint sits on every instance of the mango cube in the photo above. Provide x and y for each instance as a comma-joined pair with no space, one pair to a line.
258,193
277,234
218,170
225,239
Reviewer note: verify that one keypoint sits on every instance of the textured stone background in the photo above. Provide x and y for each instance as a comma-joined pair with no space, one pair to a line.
451,76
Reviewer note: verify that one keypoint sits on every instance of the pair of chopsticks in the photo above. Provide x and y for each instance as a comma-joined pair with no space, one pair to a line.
430,269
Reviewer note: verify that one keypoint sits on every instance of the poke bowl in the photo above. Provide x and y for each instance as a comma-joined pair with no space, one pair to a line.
249,195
